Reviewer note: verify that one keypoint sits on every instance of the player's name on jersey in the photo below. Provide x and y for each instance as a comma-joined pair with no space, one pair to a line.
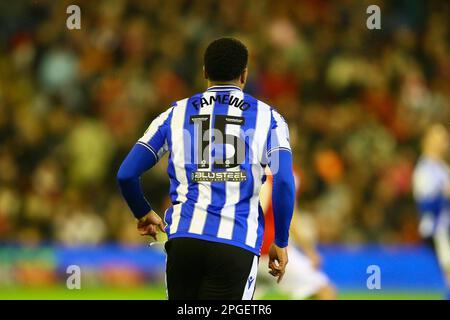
222,99
209,176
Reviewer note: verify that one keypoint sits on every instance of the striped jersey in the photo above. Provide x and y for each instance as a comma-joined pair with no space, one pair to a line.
219,143
431,186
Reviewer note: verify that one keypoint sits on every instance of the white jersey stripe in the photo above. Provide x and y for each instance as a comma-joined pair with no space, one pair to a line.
263,120
176,215
154,127
178,160
178,149
204,188
233,215
252,220
281,133
232,189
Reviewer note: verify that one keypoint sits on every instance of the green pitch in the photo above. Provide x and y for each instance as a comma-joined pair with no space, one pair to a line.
158,293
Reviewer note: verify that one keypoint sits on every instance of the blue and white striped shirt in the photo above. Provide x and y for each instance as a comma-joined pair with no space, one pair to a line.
431,181
219,142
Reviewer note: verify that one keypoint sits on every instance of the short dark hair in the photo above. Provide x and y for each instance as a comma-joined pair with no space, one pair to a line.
225,59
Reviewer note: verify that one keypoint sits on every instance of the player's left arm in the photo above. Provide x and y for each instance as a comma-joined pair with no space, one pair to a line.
279,158
142,157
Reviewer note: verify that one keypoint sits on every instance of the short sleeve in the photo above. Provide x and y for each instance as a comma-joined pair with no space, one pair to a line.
278,137
155,137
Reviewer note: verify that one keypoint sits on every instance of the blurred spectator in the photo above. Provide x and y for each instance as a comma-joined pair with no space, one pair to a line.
73,102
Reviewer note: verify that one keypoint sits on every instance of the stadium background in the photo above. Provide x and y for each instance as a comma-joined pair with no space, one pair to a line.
73,102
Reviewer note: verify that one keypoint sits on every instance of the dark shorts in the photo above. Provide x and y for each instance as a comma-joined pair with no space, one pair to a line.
199,269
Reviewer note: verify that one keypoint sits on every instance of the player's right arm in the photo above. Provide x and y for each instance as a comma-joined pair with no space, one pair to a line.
142,157
283,192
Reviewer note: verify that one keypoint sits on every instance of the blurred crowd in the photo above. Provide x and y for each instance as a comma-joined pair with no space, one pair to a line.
73,102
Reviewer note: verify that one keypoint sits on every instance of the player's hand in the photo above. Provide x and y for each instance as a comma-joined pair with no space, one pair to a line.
150,225
278,259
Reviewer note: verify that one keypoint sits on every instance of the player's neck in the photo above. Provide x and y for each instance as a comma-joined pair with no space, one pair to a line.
225,83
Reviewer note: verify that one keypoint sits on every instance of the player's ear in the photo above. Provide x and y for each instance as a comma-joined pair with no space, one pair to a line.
243,77
205,74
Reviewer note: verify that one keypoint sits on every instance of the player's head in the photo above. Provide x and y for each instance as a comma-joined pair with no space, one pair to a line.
436,140
225,60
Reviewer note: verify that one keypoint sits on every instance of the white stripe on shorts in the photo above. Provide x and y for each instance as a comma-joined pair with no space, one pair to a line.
251,281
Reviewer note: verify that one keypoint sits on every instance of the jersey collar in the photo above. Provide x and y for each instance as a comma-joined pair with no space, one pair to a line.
221,88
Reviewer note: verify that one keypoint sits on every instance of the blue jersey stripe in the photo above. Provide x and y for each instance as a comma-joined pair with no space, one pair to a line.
190,166
171,173
260,236
174,183
218,189
246,189
168,219
203,209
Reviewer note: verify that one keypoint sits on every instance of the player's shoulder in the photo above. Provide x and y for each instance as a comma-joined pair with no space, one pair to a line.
426,165
261,105
423,170
275,114
428,177
265,107
181,102
187,101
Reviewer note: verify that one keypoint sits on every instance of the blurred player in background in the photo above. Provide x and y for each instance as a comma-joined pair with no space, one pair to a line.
432,194
304,279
